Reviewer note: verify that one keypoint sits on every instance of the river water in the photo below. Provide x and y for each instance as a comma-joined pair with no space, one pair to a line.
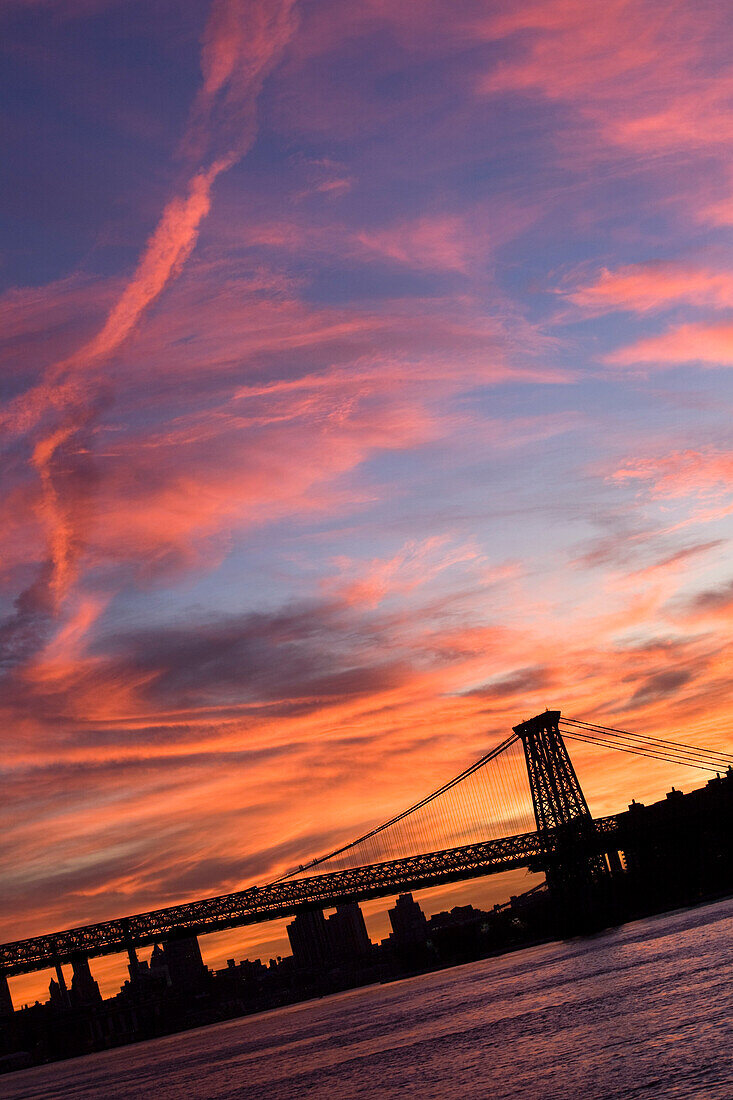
642,1011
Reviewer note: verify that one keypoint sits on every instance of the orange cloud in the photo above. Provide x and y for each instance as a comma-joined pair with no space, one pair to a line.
714,603
103,813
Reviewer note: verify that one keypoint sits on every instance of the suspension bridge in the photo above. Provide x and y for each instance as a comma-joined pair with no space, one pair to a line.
519,805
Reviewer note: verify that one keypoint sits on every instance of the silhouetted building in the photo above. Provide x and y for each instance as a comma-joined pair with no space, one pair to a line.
6,1001
159,966
244,980
84,989
409,926
56,995
456,917
309,940
347,933
186,967
138,969
461,933
680,848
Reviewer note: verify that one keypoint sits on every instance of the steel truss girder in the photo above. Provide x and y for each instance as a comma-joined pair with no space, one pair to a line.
283,899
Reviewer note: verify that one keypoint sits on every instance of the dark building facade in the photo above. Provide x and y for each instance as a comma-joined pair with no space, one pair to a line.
347,933
6,1001
309,940
84,989
320,942
409,924
186,969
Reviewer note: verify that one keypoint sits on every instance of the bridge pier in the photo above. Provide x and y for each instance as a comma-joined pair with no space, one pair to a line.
582,903
578,876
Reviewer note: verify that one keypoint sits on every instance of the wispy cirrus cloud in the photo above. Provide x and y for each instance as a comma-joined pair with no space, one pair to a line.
711,603
435,243
642,78
647,287
241,42
710,344
704,473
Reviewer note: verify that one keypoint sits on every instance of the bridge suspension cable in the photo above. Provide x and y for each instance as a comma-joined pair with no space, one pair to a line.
491,798
655,748
476,804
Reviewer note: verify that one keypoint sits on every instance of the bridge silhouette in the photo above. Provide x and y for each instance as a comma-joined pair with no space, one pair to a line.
520,805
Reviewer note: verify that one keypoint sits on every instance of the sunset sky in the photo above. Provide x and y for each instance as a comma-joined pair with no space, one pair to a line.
365,389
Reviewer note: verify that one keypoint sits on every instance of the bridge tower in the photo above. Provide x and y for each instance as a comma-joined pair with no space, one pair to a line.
574,865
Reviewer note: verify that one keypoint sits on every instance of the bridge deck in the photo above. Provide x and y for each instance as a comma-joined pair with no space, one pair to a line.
280,899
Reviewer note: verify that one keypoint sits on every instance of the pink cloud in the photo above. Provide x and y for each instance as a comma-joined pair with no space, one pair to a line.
719,213
559,36
644,287
43,325
711,344
641,76
170,497
434,243
705,473
166,252
415,565
241,43
163,501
